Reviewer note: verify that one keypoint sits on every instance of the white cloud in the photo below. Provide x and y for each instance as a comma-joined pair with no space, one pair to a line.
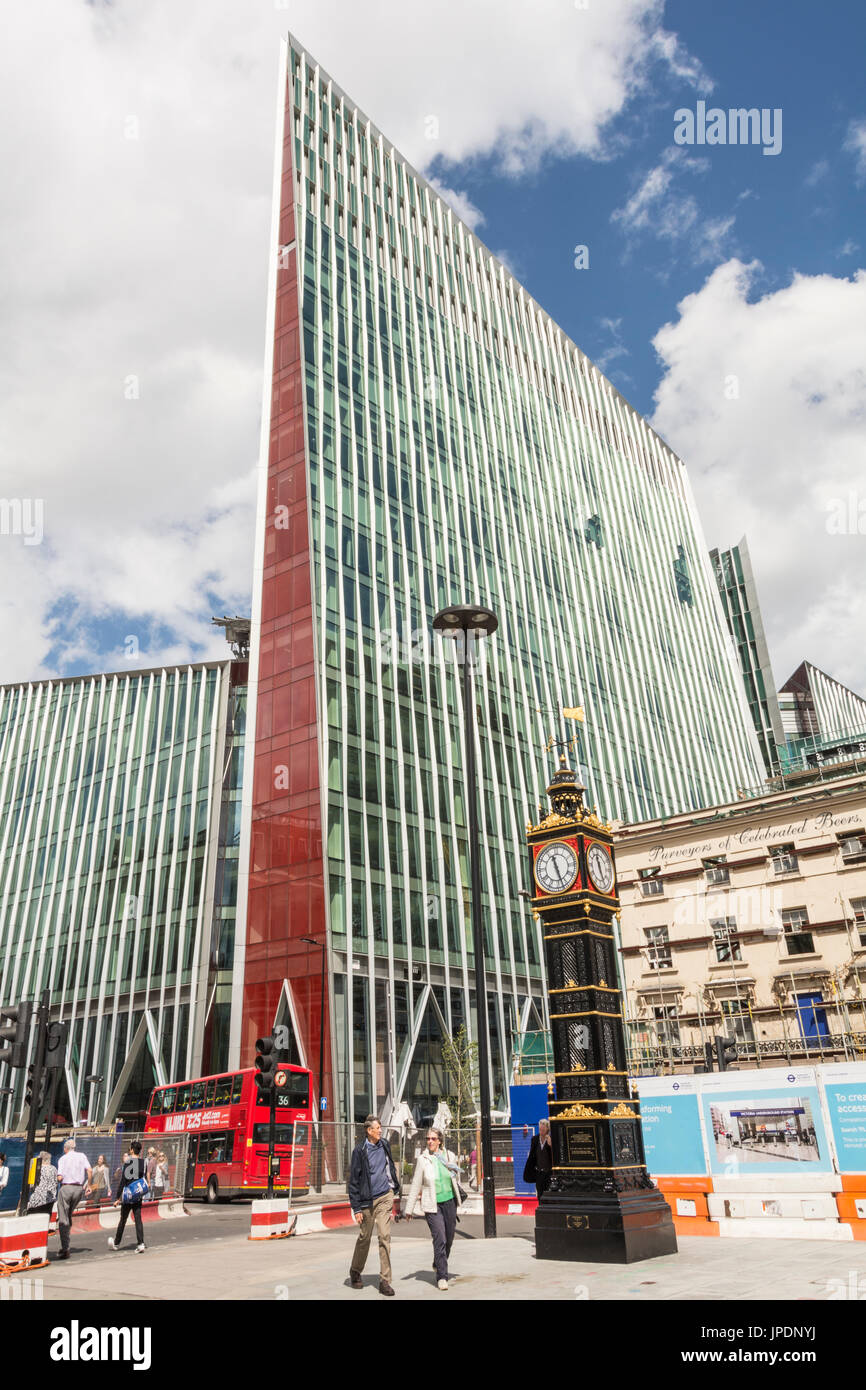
855,143
818,171
659,208
770,461
461,203
848,248
137,166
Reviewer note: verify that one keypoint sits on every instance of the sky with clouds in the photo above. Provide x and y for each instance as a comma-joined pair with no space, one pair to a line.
723,294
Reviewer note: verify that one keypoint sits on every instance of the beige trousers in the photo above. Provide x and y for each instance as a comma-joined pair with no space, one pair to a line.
379,1216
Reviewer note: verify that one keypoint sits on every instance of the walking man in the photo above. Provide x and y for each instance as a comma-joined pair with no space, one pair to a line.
73,1174
373,1185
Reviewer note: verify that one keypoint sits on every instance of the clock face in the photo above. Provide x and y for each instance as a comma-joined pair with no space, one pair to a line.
556,867
598,862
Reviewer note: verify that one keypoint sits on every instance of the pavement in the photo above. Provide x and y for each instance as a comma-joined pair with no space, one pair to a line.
210,1257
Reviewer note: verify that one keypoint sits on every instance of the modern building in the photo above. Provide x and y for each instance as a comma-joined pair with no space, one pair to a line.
430,436
821,716
119,834
748,920
736,580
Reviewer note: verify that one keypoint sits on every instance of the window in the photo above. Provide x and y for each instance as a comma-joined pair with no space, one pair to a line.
169,1097
799,941
196,1097
283,1134
716,869
237,1087
853,846
651,882
738,1019
216,1148
784,859
658,952
183,1097
728,946
223,1091
858,907
592,531
667,1024
156,1102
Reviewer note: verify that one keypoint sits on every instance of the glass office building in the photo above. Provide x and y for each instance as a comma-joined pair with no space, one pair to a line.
736,581
430,436
121,799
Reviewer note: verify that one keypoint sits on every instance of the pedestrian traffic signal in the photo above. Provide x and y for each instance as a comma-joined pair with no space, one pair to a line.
726,1052
15,1032
31,1101
55,1046
266,1063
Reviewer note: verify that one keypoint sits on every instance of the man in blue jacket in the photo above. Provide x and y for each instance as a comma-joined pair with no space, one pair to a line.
373,1185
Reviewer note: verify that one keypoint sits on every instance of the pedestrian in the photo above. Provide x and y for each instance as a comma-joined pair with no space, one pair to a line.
473,1169
131,1191
160,1176
373,1184
73,1174
44,1194
119,1169
4,1176
101,1179
539,1164
150,1166
435,1185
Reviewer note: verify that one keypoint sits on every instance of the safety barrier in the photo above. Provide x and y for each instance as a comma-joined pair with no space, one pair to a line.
270,1219
23,1236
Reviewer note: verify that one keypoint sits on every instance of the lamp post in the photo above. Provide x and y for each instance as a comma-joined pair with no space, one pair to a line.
312,942
479,622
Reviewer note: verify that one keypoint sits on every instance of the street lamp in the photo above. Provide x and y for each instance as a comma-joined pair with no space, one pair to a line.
311,941
479,622
97,1082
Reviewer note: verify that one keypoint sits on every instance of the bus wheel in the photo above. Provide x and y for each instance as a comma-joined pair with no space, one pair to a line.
212,1195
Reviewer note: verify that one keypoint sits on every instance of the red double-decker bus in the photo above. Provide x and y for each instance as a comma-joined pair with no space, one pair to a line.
228,1132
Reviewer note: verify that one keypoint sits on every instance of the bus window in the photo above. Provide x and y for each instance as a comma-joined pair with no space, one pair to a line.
169,1096
196,1098
298,1087
156,1102
223,1090
183,1097
282,1134
209,1093
237,1087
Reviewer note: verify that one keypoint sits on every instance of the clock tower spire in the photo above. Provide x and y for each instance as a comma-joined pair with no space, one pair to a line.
601,1204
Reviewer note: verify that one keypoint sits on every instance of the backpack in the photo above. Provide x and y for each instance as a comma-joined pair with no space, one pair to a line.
136,1188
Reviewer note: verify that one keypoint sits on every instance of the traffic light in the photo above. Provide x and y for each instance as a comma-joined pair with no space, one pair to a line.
14,1031
55,1046
266,1062
726,1052
30,1100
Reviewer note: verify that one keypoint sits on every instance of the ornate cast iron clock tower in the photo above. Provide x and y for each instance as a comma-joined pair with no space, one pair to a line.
601,1204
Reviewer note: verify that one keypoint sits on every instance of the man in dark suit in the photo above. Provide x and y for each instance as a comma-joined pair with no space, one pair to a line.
539,1164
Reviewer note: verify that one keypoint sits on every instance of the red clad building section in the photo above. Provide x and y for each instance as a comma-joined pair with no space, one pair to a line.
286,896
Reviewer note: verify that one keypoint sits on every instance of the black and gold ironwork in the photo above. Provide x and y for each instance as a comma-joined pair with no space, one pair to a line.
601,1204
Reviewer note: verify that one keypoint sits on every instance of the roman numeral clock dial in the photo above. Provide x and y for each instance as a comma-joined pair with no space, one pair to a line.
556,867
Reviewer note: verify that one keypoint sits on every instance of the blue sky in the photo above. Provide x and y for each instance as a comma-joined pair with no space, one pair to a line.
799,210
138,142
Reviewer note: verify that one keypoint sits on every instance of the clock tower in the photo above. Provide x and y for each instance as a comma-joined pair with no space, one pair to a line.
601,1204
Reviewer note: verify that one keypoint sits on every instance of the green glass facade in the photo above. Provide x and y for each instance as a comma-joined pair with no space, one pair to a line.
460,448
120,795
736,581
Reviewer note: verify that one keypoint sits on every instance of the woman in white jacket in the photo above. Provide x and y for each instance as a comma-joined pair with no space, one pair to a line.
434,1185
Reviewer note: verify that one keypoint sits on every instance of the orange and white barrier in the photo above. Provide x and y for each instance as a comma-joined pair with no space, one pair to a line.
22,1236
269,1218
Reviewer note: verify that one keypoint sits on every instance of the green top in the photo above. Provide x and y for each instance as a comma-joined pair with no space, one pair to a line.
444,1190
